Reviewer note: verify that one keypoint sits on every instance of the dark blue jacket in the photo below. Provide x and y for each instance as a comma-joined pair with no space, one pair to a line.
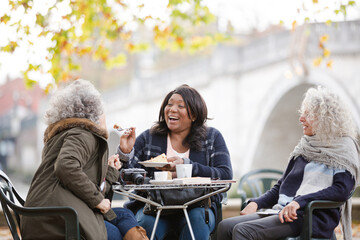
324,220
212,161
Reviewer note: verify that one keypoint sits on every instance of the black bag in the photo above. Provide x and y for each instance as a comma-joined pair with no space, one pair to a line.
176,197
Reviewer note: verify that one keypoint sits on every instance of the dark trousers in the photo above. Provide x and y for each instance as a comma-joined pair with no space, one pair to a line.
255,227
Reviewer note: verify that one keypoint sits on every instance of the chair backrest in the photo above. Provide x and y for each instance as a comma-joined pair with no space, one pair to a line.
257,182
8,194
7,197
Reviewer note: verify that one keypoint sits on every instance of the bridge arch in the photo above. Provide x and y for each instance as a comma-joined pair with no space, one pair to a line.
276,130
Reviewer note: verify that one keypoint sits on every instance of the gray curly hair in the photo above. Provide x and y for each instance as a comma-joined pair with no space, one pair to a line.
330,116
79,99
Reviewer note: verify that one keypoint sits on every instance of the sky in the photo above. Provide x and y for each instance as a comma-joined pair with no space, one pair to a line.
245,15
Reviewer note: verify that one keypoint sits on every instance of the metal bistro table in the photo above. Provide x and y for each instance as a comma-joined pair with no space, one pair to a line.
125,190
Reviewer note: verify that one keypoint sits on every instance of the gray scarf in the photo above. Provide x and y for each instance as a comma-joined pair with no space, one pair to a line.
341,153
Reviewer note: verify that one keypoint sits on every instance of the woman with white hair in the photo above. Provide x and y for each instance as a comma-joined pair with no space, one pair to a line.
323,166
75,171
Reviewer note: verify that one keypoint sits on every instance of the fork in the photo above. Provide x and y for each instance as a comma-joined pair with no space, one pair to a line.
120,129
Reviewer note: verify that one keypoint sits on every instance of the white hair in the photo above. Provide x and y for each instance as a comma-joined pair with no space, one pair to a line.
331,118
79,99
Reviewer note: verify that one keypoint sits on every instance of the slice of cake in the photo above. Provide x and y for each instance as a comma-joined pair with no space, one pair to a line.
169,175
160,158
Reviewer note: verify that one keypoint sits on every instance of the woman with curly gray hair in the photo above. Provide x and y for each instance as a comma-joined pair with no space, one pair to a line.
323,166
75,170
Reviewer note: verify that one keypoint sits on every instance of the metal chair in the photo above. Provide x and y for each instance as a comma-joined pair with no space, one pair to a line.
257,181
7,193
306,231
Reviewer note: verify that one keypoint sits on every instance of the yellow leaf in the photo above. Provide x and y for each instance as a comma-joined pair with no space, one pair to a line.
329,63
294,25
324,38
125,36
315,1
328,22
5,19
326,52
162,43
317,61
119,60
10,48
48,88
101,53
84,50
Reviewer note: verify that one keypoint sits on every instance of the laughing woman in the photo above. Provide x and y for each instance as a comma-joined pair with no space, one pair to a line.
323,166
182,134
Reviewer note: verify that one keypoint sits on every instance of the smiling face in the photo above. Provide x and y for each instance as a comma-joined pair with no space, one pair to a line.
176,115
307,124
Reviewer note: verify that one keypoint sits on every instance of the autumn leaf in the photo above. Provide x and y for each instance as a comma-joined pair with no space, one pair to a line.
5,19
40,20
293,25
329,63
317,61
49,87
324,38
117,61
326,53
10,47
125,35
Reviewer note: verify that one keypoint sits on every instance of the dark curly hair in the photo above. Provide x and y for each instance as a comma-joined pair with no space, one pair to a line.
196,107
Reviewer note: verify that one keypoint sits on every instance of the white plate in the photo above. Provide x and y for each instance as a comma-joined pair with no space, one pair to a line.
161,182
154,164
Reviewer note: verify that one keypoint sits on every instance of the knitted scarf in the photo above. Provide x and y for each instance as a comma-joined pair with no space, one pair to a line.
341,153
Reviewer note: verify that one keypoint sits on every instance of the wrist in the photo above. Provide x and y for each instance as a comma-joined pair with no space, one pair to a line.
186,160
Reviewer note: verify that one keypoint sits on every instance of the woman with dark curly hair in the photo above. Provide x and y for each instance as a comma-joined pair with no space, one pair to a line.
323,166
75,171
182,135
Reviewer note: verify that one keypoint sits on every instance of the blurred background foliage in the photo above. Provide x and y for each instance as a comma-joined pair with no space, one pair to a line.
103,31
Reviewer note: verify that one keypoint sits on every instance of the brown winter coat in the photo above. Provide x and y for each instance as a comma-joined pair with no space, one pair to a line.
74,164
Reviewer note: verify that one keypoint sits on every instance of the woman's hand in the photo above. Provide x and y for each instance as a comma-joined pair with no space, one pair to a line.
114,161
104,206
172,166
288,213
127,140
250,208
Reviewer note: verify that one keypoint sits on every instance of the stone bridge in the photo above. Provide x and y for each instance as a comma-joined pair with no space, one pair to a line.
253,92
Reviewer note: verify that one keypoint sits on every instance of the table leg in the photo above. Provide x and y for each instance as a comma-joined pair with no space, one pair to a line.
155,224
189,224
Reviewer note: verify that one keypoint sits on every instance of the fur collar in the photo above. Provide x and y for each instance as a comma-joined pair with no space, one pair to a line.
68,123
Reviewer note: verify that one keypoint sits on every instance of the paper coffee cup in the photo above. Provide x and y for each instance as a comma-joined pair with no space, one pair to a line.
161,176
184,170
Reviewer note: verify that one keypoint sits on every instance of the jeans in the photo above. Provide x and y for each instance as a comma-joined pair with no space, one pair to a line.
118,227
177,223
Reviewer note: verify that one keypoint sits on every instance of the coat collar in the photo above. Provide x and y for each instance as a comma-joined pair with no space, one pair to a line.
68,123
